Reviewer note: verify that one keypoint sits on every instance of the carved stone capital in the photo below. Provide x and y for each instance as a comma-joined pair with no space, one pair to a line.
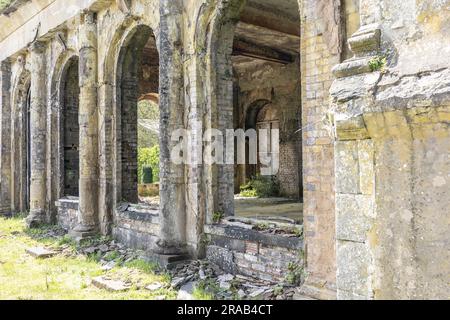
366,41
38,46
365,45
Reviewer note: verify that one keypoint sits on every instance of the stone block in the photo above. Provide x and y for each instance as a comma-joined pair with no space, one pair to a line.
165,260
40,253
352,274
222,257
347,167
186,291
366,166
353,217
110,285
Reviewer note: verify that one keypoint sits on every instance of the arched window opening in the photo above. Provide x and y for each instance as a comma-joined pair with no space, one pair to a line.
138,100
267,98
70,129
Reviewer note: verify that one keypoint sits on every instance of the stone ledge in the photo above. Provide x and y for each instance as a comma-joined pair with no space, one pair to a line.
255,236
68,203
134,239
139,216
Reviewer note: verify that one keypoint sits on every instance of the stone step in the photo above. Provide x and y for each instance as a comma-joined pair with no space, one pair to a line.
40,253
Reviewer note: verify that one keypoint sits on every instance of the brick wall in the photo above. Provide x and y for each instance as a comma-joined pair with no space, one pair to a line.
318,57
137,227
128,114
252,253
71,130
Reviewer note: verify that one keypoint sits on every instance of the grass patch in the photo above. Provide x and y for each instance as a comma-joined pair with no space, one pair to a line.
206,290
142,265
23,277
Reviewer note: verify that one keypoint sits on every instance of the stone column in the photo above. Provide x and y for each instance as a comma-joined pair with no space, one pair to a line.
88,120
5,138
172,237
38,128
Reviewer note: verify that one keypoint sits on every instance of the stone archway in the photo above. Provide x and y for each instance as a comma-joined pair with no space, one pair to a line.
129,87
20,138
63,129
232,39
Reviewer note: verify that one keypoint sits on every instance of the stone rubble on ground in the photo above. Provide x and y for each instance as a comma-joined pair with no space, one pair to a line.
186,291
110,285
154,286
40,253
230,286
185,276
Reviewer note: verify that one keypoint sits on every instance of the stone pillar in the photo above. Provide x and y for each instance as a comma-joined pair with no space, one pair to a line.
355,167
88,121
172,237
5,138
38,129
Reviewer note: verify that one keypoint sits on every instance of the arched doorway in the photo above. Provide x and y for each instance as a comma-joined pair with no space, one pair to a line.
20,137
69,129
137,77
255,48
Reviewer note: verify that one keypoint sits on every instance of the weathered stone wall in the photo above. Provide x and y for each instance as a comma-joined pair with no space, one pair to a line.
136,228
67,215
392,127
388,184
252,253
5,138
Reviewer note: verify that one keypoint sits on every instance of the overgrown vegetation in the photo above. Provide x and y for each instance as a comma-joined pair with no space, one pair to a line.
378,63
4,3
295,274
66,276
217,216
261,187
206,290
148,139
148,157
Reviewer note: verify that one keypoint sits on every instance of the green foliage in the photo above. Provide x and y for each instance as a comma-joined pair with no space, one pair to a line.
261,226
65,276
261,187
378,63
206,289
142,265
249,193
295,274
148,157
4,4
298,232
113,255
67,240
217,216
278,290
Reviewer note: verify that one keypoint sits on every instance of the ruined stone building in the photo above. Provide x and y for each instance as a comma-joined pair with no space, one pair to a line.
359,90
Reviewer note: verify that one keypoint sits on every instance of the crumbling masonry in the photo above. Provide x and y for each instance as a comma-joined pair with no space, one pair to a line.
360,90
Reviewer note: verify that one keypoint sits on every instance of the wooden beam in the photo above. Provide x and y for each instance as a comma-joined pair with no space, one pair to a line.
245,48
